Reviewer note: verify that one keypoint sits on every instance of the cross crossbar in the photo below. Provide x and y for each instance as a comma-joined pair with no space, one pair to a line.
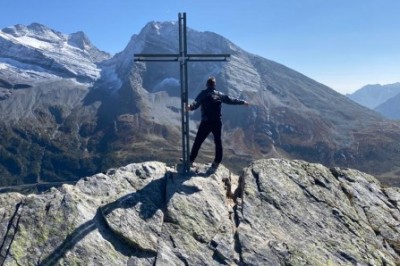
176,57
183,58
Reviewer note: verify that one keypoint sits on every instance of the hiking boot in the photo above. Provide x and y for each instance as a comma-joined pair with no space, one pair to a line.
214,165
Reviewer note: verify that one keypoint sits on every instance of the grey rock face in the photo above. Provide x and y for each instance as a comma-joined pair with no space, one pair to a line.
278,213
136,215
296,213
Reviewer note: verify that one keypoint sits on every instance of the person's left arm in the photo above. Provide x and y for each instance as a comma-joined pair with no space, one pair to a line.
230,100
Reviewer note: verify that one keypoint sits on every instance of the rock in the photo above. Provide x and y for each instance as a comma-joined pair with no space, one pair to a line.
297,213
278,212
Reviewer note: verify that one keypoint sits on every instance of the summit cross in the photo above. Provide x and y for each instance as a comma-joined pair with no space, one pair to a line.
183,58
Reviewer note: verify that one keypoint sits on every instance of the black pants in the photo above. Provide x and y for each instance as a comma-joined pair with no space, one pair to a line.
204,130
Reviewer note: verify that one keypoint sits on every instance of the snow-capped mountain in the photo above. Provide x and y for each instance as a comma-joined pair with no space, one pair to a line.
37,52
90,112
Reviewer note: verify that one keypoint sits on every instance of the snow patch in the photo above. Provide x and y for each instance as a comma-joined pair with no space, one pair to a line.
167,83
3,65
11,63
34,43
110,79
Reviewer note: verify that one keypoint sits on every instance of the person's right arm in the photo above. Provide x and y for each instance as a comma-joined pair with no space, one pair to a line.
196,103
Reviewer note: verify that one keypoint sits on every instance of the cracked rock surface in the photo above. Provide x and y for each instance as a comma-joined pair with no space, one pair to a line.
279,212
297,213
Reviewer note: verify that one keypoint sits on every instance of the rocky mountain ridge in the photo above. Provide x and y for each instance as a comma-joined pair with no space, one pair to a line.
37,48
382,98
278,212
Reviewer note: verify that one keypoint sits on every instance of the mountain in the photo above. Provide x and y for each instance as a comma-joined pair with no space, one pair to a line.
39,51
69,110
372,96
278,212
390,108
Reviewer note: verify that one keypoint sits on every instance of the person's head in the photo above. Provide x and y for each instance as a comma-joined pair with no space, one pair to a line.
211,82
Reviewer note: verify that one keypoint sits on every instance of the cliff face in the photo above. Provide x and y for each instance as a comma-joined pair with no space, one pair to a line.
278,212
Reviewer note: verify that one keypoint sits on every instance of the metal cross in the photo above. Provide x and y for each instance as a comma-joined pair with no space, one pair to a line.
183,57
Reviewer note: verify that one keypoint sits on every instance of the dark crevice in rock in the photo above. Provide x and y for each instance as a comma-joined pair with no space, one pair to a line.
346,192
237,197
172,241
228,186
238,248
199,238
335,172
237,243
183,259
348,257
219,258
239,191
257,179
309,194
11,231
168,176
320,183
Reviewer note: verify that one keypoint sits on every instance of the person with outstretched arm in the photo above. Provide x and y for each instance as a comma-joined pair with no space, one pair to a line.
210,101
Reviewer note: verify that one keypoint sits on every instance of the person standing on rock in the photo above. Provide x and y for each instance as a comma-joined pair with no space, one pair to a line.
210,101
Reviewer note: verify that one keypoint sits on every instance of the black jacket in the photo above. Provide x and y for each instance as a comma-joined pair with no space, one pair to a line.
210,101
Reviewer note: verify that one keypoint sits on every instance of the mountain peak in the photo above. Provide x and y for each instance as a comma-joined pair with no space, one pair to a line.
158,27
38,28
35,30
80,40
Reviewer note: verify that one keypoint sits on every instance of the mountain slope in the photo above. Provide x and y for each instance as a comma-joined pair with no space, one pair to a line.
390,108
278,212
68,120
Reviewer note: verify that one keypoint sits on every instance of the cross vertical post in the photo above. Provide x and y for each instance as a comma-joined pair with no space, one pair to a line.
183,58
184,90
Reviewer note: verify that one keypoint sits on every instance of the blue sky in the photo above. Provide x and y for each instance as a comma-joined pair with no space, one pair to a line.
344,44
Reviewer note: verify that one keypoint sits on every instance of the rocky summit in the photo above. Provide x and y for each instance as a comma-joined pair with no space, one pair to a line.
278,212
